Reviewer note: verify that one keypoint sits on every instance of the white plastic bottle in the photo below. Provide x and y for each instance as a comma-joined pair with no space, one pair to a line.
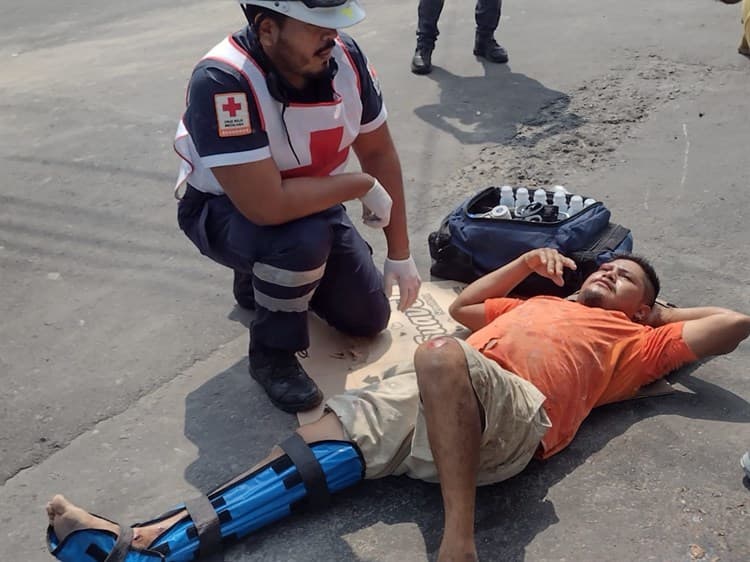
589,201
576,205
558,198
506,196
522,197
540,196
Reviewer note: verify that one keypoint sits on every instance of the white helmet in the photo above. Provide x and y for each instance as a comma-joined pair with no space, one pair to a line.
333,14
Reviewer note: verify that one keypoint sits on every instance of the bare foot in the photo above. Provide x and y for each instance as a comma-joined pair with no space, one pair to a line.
66,518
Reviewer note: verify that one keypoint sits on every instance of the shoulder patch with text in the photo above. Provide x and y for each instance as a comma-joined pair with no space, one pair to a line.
232,114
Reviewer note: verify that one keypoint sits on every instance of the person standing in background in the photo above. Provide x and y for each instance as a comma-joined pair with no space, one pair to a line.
487,17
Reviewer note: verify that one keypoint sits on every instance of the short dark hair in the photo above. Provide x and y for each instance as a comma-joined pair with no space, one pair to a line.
648,269
255,14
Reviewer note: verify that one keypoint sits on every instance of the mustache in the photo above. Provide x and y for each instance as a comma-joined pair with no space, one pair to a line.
330,44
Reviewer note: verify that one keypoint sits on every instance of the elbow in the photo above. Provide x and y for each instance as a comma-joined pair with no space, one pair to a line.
260,213
258,219
261,220
738,332
463,317
455,311
264,215
743,327
265,219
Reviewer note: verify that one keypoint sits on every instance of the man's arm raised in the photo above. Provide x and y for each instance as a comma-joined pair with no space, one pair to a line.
468,308
708,330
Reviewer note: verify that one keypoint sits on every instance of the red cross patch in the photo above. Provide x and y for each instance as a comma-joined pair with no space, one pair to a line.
232,114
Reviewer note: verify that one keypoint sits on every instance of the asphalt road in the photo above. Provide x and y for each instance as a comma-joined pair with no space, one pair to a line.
122,369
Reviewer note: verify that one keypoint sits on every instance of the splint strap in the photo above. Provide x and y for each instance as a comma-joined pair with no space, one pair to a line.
122,546
309,470
207,526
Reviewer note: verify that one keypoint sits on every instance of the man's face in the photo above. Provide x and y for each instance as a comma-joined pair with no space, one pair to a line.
618,285
301,51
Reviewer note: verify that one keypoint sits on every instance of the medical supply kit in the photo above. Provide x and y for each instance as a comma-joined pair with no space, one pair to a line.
498,224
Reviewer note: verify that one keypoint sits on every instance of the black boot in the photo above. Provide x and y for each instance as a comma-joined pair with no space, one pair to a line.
421,62
489,49
282,377
243,290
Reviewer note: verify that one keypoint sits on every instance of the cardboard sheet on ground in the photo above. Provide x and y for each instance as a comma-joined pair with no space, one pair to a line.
338,362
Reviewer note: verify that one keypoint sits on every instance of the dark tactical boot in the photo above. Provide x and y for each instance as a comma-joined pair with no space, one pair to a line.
421,62
243,290
282,377
490,50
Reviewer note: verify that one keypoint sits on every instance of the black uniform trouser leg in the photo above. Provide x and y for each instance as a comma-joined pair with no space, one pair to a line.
319,262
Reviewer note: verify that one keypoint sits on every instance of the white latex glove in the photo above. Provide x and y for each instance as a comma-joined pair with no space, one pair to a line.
403,272
376,206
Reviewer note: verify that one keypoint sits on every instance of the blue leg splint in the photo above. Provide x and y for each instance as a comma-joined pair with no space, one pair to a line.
303,477
92,545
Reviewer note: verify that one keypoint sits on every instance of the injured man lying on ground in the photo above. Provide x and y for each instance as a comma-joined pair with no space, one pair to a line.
462,414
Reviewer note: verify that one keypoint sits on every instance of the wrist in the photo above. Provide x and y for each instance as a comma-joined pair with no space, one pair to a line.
665,314
397,244
368,183
658,316
399,255
525,261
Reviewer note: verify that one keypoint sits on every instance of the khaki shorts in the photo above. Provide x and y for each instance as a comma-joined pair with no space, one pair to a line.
386,421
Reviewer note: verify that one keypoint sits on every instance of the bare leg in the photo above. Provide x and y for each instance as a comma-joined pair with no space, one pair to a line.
66,517
454,429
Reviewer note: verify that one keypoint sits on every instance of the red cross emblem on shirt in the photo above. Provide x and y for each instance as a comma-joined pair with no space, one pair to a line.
232,117
324,154
231,107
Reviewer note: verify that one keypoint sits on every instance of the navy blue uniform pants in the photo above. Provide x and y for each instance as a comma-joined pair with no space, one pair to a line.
319,262
486,15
